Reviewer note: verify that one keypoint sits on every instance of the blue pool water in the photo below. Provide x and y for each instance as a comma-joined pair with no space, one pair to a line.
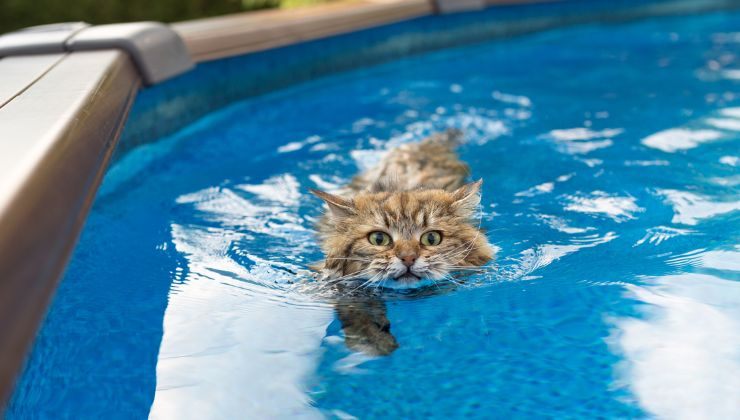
610,158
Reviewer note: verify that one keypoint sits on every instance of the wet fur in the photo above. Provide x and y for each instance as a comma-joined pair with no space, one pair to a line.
416,188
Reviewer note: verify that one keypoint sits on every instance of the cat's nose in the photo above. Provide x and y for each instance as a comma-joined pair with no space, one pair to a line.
408,260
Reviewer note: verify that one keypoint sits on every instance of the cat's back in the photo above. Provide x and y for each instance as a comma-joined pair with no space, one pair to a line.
429,164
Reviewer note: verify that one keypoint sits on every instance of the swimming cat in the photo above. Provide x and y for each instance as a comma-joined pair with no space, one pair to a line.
409,219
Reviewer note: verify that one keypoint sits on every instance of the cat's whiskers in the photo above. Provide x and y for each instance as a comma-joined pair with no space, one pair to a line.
377,283
372,280
361,286
471,243
349,258
466,268
463,254
448,277
435,283
459,254
353,275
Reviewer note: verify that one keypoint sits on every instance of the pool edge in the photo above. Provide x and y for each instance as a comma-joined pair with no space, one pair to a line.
42,214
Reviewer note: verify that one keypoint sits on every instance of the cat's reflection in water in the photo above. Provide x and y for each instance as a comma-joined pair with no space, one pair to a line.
364,319
365,324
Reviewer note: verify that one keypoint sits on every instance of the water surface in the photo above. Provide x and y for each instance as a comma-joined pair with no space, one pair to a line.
609,155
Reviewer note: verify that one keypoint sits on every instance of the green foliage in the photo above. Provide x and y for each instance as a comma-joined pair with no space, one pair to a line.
15,14
260,4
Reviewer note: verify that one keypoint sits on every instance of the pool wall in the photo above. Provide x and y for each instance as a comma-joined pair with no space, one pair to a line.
61,114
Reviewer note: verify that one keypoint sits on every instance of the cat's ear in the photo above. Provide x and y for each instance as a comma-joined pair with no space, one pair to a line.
340,207
467,197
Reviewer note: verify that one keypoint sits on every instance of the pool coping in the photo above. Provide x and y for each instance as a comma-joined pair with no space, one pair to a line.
60,133
61,116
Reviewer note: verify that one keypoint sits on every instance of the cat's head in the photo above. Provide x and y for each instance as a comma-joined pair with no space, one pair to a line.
403,237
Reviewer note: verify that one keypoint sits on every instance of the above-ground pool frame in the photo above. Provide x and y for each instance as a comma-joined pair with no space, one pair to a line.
63,111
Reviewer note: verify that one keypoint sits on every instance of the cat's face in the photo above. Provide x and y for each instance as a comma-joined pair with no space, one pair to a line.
403,237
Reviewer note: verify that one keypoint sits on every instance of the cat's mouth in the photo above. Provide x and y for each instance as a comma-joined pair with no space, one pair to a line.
408,277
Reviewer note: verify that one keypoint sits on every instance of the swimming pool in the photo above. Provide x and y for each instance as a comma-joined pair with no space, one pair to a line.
609,154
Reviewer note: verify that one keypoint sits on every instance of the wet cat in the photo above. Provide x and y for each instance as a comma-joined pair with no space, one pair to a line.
409,219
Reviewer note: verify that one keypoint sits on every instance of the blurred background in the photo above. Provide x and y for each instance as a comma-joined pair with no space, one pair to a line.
16,14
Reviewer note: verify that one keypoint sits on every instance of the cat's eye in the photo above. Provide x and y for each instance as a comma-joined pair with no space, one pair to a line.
431,238
379,238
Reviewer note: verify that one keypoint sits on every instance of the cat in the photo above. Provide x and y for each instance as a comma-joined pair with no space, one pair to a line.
407,220
410,218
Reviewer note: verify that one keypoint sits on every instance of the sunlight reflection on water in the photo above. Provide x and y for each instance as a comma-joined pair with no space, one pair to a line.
610,190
